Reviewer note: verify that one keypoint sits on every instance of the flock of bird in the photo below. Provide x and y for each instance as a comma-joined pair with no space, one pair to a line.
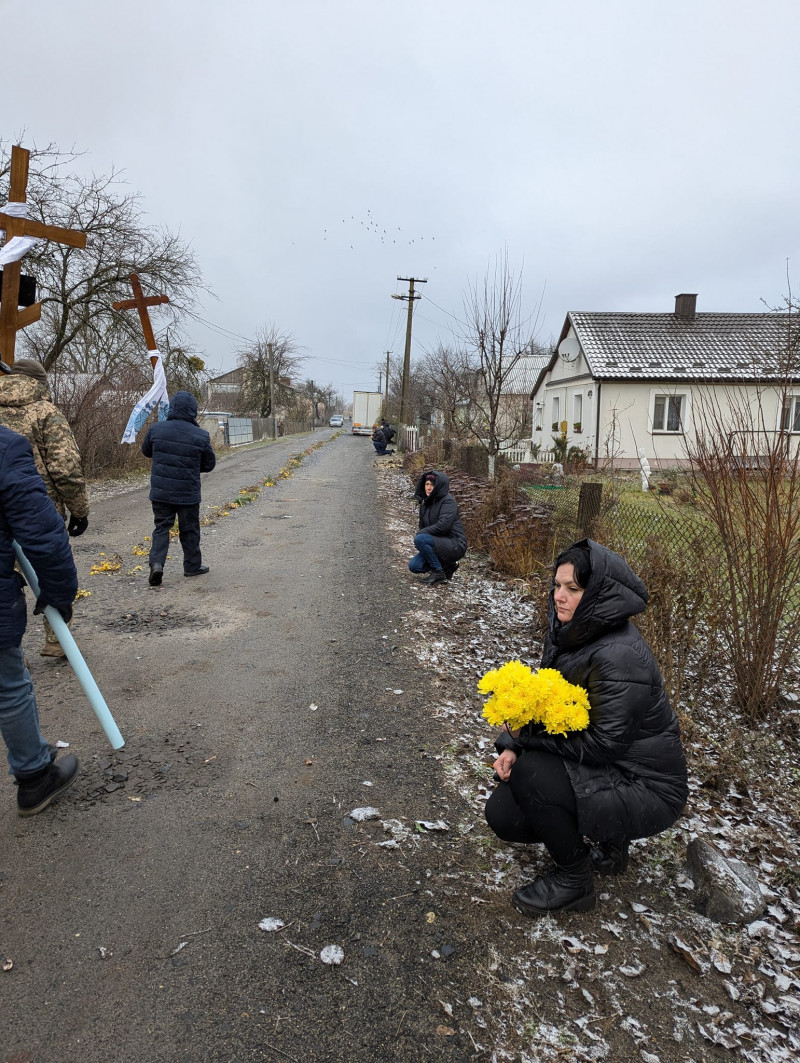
371,226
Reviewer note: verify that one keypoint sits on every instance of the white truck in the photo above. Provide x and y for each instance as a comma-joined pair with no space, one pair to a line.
367,406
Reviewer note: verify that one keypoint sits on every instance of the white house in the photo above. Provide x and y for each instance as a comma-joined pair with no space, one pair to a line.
627,382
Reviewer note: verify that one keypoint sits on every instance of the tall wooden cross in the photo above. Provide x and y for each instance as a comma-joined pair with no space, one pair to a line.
12,319
141,302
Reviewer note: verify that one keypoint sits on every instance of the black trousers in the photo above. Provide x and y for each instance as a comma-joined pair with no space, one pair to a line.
164,516
537,804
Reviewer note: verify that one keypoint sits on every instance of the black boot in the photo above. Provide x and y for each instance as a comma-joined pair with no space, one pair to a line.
450,570
156,575
567,889
35,792
610,858
436,576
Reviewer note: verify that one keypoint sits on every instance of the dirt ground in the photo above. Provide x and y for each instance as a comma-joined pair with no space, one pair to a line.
181,901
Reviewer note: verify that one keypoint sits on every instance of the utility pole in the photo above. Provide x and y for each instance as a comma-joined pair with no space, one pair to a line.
380,380
410,298
271,349
313,406
386,396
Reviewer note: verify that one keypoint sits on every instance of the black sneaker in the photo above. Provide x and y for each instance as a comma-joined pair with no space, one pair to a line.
156,575
198,571
35,792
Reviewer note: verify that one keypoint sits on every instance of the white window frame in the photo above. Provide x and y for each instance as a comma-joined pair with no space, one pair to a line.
577,409
555,419
663,393
787,422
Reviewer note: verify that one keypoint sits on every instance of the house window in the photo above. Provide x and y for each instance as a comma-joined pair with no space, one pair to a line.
577,411
668,413
555,412
539,415
790,418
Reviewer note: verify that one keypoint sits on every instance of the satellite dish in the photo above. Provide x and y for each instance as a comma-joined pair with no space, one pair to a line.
569,348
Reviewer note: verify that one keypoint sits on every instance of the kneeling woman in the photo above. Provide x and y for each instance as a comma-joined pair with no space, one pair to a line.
441,541
624,776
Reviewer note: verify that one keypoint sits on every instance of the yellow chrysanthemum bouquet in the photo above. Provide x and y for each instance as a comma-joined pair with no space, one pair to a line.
518,696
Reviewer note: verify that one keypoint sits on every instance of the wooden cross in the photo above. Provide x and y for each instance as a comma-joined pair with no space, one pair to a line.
11,318
141,303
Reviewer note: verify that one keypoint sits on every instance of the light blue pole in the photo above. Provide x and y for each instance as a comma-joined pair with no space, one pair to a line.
74,656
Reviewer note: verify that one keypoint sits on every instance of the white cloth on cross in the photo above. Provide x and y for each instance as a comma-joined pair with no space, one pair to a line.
156,396
17,246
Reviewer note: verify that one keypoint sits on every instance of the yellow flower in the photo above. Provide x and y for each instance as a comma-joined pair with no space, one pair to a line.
519,696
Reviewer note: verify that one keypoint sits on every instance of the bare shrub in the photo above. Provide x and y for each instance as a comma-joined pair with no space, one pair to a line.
98,413
681,622
746,480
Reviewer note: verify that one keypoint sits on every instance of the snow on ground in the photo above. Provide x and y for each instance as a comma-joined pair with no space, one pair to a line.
644,966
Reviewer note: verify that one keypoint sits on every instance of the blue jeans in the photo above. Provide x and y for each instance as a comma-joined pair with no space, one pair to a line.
426,559
379,447
19,719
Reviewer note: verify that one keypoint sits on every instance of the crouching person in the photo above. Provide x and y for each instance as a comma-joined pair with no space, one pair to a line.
28,515
621,778
441,541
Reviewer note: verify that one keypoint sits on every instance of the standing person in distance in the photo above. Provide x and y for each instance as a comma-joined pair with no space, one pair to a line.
26,408
28,516
180,450
441,541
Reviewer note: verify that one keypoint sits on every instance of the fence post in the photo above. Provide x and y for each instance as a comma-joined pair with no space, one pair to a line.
589,503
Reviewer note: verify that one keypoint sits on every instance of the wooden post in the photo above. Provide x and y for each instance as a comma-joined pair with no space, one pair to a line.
589,503
141,303
11,318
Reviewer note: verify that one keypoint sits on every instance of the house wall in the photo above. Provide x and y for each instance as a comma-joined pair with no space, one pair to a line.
567,384
616,417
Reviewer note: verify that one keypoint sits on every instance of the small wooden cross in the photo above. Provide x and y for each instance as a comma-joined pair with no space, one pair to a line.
11,318
141,303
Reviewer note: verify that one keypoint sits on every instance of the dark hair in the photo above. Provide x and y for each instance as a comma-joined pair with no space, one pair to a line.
579,559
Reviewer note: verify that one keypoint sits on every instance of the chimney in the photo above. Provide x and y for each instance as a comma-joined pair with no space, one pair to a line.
685,307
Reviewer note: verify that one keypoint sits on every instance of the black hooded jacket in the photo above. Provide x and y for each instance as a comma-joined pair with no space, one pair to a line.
627,767
438,516
180,450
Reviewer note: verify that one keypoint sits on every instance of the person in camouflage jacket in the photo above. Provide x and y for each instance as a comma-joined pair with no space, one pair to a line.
26,408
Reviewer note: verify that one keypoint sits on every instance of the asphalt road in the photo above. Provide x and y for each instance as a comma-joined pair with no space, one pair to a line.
130,909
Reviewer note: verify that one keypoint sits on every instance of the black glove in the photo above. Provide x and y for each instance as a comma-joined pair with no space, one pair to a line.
41,605
77,525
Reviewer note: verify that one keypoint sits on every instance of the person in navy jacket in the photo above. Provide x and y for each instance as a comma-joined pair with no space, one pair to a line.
28,516
180,450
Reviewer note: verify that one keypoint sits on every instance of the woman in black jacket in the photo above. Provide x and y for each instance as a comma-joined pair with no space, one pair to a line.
441,541
624,776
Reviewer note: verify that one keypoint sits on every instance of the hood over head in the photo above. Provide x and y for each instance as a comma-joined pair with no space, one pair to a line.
613,594
441,488
183,407
30,367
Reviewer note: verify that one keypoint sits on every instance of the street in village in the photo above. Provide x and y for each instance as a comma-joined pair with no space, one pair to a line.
180,902
260,705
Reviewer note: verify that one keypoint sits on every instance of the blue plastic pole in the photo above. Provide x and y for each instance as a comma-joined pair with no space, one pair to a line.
74,656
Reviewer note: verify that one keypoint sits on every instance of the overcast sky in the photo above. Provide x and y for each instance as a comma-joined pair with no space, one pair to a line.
313,150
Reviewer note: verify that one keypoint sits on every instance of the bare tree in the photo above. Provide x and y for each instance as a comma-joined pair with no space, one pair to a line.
746,479
446,380
497,345
254,359
78,328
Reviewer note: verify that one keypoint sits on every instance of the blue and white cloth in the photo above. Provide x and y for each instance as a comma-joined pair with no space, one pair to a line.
156,396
